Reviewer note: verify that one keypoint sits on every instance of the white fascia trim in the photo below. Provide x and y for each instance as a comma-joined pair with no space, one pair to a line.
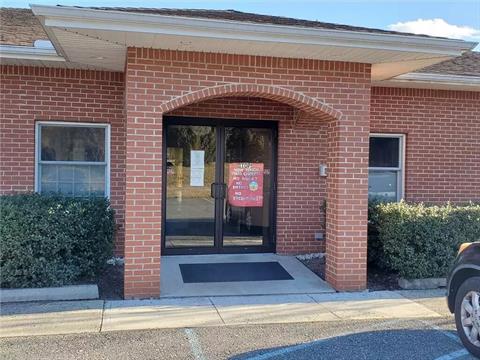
439,78
71,17
29,53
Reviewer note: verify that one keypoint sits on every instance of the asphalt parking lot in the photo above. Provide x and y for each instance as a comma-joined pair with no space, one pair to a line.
381,339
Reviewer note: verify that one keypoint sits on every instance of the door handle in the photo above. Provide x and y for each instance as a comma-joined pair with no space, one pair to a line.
218,190
212,190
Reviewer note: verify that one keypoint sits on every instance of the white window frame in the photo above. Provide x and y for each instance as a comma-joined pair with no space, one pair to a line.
38,150
401,162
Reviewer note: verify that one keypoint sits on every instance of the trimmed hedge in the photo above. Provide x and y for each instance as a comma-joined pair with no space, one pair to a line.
53,241
420,241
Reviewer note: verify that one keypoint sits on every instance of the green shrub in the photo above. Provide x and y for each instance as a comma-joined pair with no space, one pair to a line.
53,241
420,241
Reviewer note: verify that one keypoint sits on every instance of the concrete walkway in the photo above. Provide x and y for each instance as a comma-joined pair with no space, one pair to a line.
27,319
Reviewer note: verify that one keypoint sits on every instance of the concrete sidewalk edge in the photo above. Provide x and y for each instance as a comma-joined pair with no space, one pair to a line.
71,292
31,319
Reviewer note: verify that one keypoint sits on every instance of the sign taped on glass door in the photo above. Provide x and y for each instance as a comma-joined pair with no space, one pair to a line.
245,184
197,167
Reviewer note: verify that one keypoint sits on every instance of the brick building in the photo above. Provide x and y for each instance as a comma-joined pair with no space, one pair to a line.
227,132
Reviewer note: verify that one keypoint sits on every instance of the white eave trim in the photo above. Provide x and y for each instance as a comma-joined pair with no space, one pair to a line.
432,81
71,17
28,53
440,78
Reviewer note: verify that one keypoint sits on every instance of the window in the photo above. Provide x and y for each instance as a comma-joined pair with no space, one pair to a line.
72,158
385,167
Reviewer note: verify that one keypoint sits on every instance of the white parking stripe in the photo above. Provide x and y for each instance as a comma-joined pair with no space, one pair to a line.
194,344
454,337
448,334
453,355
289,349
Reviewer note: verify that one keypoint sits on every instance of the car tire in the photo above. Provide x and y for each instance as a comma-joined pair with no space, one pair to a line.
466,293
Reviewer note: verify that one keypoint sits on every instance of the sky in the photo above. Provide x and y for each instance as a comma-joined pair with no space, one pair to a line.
458,19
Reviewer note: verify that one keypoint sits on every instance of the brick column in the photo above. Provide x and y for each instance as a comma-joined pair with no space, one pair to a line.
347,201
143,203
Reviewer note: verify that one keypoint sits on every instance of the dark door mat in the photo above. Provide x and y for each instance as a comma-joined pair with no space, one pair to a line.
239,271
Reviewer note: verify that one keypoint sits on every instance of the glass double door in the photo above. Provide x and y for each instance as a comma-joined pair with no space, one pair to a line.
218,186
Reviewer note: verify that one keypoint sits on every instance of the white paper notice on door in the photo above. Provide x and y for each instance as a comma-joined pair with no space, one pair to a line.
197,167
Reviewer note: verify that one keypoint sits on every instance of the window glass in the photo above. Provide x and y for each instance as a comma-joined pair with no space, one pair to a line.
385,168
74,180
384,152
72,143
382,185
85,148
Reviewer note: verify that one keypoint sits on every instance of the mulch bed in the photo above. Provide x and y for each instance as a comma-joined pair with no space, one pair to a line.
380,279
316,265
377,279
110,283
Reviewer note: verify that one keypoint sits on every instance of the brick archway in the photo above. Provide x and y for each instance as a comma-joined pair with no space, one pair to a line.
160,82
310,105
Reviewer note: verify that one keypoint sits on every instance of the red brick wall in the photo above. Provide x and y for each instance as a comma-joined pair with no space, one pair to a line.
301,148
29,94
442,152
158,80
442,140
331,102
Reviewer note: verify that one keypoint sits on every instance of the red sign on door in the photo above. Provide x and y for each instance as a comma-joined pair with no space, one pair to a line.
245,184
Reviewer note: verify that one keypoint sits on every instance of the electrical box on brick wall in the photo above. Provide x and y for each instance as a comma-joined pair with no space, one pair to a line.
323,170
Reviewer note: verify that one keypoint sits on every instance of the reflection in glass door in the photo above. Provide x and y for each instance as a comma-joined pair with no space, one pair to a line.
248,164
219,186
190,169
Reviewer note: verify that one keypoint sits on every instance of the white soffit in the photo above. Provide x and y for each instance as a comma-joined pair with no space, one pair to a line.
432,81
43,63
28,53
43,56
85,35
93,52
35,56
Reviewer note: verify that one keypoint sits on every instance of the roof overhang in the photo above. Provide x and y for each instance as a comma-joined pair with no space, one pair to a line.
99,38
433,81
29,53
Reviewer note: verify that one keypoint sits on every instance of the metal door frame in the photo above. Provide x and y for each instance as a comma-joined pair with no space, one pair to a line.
220,125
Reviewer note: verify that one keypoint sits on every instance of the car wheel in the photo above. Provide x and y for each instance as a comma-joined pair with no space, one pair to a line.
467,314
